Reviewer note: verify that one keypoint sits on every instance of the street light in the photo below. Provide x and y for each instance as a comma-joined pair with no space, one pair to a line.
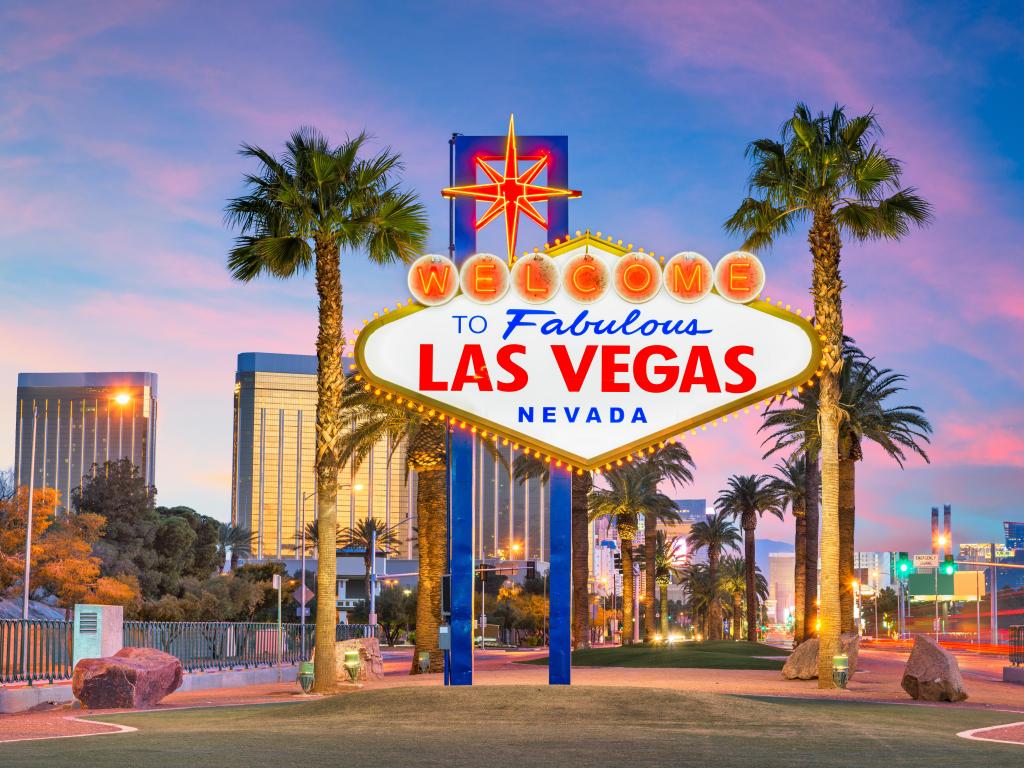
302,609
28,544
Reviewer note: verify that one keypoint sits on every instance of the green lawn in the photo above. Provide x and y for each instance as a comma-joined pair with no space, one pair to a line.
534,726
722,654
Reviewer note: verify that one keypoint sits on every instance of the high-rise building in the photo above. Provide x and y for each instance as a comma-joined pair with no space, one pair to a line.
942,538
873,569
83,419
781,584
511,516
1014,534
274,449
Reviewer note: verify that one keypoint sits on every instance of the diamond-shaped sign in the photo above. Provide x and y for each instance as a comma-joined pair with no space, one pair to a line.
587,383
302,595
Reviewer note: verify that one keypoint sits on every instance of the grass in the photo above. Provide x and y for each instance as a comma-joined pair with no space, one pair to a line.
534,726
722,654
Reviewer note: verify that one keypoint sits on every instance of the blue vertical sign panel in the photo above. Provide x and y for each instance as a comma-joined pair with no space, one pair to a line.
560,579
461,537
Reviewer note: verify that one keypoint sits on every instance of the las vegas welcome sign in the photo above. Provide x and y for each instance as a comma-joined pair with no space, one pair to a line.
586,353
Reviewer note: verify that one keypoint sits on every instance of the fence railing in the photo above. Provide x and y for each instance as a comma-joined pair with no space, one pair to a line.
48,650
197,644
1017,645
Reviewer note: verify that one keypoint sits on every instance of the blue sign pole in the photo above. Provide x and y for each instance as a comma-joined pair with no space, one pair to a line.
461,536
560,579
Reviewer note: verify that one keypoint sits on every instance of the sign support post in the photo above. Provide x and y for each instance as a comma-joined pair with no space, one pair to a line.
462,565
560,579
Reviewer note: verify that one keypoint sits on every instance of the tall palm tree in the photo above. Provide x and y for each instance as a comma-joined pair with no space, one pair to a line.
715,534
675,466
734,582
748,497
790,484
236,541
425,437
299,211
669,559
897,430
828,169
370,536
527,467
632,491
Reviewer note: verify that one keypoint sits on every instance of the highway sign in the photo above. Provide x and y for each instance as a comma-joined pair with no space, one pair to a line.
926,561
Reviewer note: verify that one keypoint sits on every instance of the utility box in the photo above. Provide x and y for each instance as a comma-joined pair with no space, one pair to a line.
98,631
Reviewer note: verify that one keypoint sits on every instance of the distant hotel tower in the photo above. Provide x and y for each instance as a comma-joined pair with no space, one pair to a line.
273,462
82,419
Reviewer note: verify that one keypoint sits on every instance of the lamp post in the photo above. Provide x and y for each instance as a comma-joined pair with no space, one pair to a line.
302,608
875,573
942,547
28,545
372,618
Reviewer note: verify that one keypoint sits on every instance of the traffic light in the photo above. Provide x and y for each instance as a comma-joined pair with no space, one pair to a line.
948,566
617,557
904,565
531,569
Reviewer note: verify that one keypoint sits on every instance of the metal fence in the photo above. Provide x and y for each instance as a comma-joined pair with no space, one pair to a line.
48,650
1017,645
198,645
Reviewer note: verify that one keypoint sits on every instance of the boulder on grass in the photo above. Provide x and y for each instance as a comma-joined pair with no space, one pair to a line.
802,663
371,665
932,673
133,678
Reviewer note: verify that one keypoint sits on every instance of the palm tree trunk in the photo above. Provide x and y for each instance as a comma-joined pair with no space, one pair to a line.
811,576
650,546
330,381
799,575
715,607
581,487
749,564
431,505
847,469
737,613
664,610
827,287
627,589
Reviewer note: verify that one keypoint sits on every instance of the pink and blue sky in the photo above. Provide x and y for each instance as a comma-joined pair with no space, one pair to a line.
119,124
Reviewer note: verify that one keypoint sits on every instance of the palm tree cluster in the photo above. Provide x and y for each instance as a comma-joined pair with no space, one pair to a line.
828,170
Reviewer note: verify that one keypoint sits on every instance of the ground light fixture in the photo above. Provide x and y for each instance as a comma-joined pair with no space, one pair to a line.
840,670
306,676
352,665
423,661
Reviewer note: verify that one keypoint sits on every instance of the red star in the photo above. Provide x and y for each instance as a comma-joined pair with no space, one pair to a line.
511,193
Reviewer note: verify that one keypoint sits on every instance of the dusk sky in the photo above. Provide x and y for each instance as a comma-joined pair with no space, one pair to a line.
119,125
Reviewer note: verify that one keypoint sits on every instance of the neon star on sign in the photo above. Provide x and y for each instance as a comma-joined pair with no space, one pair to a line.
509,192
527,354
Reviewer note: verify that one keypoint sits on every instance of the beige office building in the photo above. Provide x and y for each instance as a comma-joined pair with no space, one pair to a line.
274,453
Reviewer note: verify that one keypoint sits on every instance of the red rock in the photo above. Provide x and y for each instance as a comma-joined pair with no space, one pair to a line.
133,678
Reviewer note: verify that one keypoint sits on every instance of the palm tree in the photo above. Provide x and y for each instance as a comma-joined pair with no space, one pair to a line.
527,467
370,536
299,211
236,540
748,497
829,169
669,557
703,592
897,430
632,491
674,465
425,437
790,485
716,534
734,582
313,536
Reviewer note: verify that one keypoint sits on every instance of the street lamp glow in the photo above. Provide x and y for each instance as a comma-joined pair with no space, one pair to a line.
942,539
357,487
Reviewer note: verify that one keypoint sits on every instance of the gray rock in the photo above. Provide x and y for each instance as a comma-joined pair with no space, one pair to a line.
372,663
932,673
802,664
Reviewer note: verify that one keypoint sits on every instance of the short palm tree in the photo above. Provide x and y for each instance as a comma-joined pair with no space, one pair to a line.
790,484
703,591
829,170
300,210
748,497
734,582
313,537
632,491
236,542
370,536
424,435
675,466
528,467
669,560
716,534
897,430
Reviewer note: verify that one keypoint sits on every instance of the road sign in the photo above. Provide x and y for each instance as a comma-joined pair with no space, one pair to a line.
926,561
301,610
302,595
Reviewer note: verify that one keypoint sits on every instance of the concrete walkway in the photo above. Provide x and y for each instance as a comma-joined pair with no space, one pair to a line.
877,680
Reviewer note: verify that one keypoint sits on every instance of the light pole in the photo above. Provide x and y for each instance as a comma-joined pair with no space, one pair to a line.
875,573
942,547
373,566
302,608
28,545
